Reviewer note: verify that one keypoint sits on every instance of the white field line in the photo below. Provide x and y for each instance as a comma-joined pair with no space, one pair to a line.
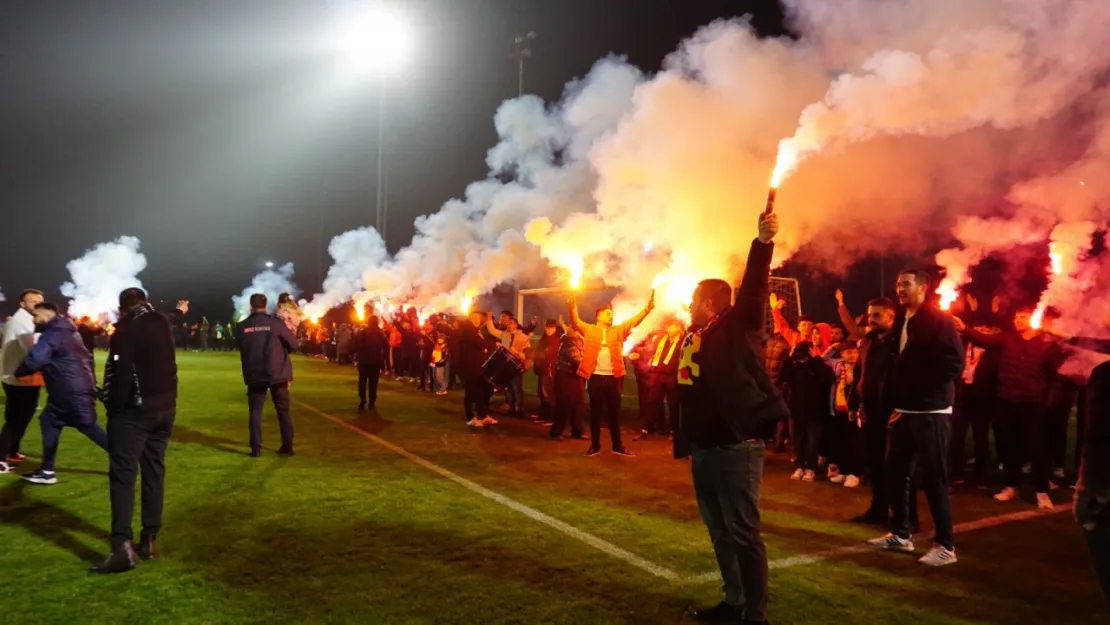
631,558
813,558
570,530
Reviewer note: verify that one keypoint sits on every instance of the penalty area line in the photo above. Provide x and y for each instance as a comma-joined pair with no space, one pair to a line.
585,537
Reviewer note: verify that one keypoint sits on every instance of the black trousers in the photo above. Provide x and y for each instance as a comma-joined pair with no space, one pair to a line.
22,402
1059,414
545,383
368,375
1025,428
256,399
570,403
605,405
137,442
807,441
849,451
974,411
924,438
476,397
18,412
875,443
662,396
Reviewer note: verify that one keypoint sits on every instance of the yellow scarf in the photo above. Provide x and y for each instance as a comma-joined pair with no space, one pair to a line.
659,352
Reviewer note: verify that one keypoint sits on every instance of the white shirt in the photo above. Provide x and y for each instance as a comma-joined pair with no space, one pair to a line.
19,336
604,356
902,346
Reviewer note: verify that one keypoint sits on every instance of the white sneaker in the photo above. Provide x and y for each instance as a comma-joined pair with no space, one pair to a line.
892,543
474,423
1006,494
1058,473
797,475
838,479
1043,502
7,468
851,481
808,476
938,556
489,421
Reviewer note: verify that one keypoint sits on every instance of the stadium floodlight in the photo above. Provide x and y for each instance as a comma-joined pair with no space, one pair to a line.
375,37
269,264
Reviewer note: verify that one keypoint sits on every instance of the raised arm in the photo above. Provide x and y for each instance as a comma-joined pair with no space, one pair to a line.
492,329
850,326
747,314
1101,346
575,322
639,317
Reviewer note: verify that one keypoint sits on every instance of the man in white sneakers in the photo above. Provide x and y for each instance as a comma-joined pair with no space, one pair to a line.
921,386
22,393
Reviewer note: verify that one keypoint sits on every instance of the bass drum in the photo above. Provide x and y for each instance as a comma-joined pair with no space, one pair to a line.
501,367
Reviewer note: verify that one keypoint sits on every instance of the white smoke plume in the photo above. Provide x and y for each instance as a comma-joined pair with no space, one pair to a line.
271,283
909,116
355,253
98,277
2,298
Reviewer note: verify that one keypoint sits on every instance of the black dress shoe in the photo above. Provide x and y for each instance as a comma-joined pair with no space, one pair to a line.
362,406
255,453
148,548
121,560
720,613
286,451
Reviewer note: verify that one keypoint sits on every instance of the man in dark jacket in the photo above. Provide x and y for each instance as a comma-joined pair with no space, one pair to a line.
544,356
473,348
66,367
570,388
1028,362
265,344
921,386
725,398
370,346
878,348
660,363
140,397
1092,491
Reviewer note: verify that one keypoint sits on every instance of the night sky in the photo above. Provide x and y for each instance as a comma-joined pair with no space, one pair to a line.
223,135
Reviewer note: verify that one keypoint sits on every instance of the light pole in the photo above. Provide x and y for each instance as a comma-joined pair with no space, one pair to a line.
379,38
522,49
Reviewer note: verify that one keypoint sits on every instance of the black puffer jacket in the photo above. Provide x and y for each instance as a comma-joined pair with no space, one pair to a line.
775,352
570,353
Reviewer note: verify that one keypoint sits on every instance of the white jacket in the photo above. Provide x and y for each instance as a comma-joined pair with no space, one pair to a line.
19,336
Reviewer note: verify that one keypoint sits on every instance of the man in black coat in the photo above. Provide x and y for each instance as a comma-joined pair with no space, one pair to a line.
725,399
140,397
473,351
265,344
921,388
371,347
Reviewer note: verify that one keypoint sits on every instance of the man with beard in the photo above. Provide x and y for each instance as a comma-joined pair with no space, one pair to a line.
22,393
140,396
726,398
921,387
66,367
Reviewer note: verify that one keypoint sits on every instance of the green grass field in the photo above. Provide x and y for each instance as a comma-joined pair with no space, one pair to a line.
350,531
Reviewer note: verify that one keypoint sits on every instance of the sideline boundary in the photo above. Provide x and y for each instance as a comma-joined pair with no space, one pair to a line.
631,558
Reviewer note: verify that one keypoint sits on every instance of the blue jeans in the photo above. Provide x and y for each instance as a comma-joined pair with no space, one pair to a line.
439,375
727,481
514,394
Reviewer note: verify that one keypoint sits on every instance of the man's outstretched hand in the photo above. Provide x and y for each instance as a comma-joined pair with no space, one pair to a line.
768,227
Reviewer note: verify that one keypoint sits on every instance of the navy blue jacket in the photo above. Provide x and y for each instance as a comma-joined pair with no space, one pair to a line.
265,343
66,366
